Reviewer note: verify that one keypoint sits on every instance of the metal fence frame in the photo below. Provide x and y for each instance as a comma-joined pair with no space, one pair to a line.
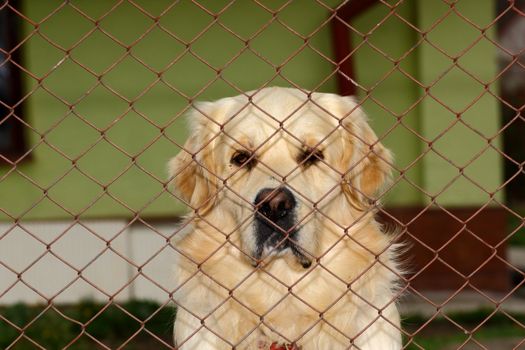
339,19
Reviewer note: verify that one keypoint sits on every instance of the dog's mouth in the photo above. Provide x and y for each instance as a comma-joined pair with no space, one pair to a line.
278,244
283,247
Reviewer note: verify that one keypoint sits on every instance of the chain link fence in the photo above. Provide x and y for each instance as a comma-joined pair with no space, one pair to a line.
93,99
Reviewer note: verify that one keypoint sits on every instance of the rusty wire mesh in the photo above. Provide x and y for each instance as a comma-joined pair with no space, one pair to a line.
342,70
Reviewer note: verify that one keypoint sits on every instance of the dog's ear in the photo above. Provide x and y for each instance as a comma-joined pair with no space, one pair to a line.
193,172
366,163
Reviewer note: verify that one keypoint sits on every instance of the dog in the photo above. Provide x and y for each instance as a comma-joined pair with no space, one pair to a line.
281,250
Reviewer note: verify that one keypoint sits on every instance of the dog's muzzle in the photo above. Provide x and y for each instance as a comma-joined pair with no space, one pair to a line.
276,224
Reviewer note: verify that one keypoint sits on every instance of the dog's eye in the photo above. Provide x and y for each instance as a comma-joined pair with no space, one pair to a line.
243,158
309,156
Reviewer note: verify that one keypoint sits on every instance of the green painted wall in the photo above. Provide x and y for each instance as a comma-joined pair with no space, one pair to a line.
389,94
400,92
105,122
112,96
458,90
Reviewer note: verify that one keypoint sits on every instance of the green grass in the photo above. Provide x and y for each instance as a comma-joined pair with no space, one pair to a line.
442,332
439,341
56,327
60,325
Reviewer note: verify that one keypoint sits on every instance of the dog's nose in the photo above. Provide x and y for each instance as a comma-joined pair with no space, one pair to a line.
275,203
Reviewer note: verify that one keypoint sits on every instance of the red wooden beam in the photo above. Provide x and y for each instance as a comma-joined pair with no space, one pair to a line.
343,45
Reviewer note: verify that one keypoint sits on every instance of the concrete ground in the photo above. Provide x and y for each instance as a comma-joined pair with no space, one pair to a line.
429,303
432,302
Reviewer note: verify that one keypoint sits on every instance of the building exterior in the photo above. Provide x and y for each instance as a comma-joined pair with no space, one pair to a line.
106,85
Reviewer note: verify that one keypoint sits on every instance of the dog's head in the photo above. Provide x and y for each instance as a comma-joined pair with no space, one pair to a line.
273,161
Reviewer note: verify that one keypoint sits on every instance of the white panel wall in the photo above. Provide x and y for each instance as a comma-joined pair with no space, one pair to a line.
81,264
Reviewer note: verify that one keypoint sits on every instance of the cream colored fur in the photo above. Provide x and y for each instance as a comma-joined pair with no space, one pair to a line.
346,298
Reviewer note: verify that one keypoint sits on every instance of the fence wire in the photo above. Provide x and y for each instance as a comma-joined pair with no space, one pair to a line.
25,135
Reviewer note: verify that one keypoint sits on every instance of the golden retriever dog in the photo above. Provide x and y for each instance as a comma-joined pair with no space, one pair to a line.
281,250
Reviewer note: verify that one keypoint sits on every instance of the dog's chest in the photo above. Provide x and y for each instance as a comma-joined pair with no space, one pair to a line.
291,294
